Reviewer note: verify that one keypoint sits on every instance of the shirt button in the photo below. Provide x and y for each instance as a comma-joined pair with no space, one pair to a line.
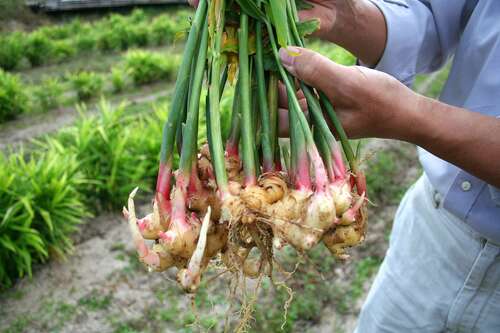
466,186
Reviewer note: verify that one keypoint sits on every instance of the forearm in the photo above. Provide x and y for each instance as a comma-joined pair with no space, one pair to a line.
360,28
466,139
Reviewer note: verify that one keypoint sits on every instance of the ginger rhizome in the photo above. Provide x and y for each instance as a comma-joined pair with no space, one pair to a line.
238,199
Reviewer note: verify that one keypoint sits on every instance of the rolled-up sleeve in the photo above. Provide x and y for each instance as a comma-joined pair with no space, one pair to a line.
421,35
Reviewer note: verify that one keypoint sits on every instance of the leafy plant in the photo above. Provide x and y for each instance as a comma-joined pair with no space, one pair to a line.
11,50
114,34
147,67
118,78
86,84
41,207
108,148
86,40
48,94
162,30
39,48
109,40
63,50
138,35
138,15
13,99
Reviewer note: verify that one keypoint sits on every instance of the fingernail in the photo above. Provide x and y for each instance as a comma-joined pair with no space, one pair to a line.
287,56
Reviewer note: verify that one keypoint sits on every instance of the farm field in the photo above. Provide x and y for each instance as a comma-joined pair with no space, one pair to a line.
79,131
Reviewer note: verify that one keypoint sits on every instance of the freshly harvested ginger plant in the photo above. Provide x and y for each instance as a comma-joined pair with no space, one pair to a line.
229,201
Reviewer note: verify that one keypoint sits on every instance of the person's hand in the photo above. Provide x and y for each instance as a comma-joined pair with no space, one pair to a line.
193,3
326,12
369,103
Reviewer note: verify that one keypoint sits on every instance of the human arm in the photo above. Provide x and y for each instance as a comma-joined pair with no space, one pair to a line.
399,37
373,104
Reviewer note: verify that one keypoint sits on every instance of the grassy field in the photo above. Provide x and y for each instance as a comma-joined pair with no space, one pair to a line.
78,135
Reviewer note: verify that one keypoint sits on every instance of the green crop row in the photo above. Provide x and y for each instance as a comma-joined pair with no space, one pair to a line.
46,194
58,43
137,67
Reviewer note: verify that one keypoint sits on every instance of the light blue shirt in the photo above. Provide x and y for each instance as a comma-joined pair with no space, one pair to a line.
422,36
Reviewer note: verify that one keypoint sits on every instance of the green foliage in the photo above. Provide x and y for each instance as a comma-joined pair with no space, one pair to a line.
41,207
111,153
139,35
333,52
162,31
48,94
147,67
56,43
13,99
63,50
86,41
118,79
38,49
114,35
86,84
11,51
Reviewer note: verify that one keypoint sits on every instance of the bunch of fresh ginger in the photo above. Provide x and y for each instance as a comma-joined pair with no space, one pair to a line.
251,195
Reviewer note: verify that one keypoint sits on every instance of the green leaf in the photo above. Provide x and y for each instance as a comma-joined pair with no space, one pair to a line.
250,8
8,244
305,28
48,220
9,214
280,21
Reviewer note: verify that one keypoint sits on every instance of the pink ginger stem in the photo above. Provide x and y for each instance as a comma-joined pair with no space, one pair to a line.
164,180
361,183
302,176
320,175
277,165
338,163
232,148
179,219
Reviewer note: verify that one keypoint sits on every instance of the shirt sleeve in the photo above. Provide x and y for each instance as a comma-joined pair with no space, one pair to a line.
421,35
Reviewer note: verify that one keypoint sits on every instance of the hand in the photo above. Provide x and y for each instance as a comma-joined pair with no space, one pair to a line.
326,12
369,103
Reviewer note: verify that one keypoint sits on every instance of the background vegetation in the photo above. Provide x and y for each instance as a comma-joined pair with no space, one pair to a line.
58,43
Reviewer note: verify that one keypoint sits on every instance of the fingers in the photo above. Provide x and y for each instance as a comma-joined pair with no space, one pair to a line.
316,70
194,3
283,129
283,97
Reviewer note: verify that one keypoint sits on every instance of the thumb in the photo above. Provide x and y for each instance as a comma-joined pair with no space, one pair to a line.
313,68
194,3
